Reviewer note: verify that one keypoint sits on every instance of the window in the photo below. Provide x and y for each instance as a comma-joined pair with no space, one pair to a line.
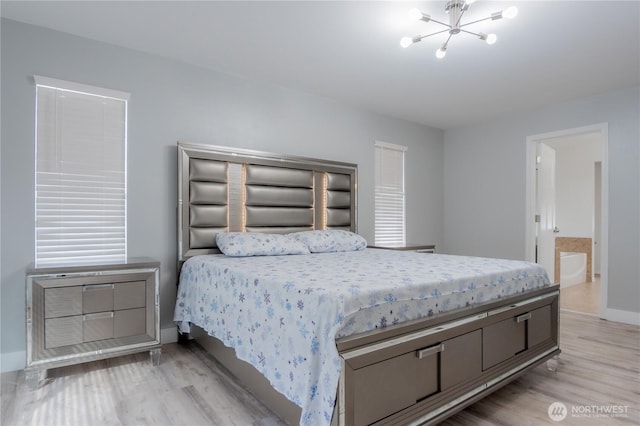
389,194
81,176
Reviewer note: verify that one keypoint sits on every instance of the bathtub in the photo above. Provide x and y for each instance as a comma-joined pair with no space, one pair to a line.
573,268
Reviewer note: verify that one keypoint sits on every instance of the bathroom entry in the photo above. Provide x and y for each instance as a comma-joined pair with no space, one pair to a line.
567,194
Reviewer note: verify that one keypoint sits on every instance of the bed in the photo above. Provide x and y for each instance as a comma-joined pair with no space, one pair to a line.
325,330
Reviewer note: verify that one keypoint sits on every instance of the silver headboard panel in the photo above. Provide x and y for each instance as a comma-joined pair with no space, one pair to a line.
228,189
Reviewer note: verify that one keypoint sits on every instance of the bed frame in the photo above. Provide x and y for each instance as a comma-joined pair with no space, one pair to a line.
419,372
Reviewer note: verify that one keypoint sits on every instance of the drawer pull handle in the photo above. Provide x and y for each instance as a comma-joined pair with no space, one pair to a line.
96,287
99,315
523,317
430,351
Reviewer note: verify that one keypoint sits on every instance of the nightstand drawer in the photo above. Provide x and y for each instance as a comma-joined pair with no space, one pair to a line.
130,295
63,331
97,326
97,298
130,322
62,301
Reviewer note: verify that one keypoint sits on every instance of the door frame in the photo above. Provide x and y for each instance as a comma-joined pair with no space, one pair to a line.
530,199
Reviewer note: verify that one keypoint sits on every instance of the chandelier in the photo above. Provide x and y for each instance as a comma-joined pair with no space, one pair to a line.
456,10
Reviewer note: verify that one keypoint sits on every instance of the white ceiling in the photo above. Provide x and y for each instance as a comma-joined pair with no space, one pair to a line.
551,52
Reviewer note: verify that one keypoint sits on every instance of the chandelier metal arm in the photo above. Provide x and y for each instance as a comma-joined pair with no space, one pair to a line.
472,33
438,22
457,25
446,43
419,38
475,22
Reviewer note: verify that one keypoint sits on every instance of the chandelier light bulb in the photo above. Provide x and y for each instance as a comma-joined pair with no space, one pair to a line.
491,38
510,12
406,42
470,2
440,53
415,14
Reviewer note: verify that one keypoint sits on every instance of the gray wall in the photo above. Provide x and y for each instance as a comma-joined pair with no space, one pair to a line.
484,185
173,101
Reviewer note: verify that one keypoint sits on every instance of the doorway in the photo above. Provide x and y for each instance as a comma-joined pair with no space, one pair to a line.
566,199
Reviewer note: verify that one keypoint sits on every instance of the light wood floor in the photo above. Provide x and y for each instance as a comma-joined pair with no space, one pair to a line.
599,367
584,297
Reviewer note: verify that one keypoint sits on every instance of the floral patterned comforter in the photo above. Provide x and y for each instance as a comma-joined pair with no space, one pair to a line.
282,314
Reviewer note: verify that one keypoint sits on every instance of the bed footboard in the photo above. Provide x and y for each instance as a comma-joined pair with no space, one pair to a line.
423,373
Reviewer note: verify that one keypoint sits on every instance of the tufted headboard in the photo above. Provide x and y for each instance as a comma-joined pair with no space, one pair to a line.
228,189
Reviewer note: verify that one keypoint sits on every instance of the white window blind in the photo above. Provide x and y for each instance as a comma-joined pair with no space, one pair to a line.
389,194
81,176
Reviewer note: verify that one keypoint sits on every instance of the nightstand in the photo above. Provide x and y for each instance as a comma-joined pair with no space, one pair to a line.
84,313
420,248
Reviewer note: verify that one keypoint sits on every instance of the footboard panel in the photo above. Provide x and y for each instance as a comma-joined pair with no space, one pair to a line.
424,371
422,374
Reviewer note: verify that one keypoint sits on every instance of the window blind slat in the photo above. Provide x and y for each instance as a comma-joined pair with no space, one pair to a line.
80,174
389,195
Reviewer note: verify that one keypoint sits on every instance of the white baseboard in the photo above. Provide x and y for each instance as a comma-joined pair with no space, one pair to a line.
13,361
617,315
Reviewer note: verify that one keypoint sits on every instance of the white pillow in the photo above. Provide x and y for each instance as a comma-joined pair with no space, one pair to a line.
330,240
258,244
